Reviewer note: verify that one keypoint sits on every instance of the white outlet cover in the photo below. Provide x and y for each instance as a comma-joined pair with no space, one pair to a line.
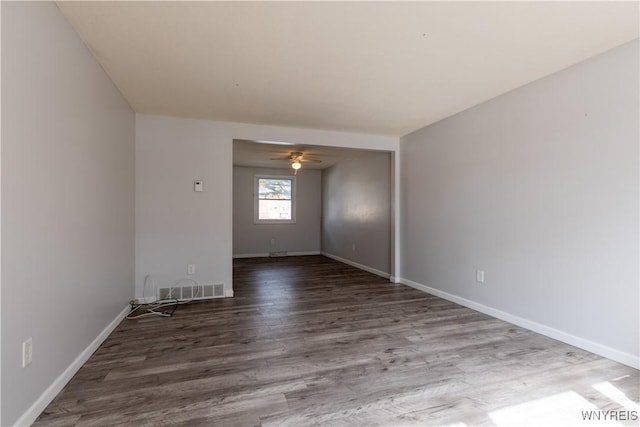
191,269
27,352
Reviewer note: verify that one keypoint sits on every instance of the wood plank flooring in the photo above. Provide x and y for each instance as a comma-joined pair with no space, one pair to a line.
309,341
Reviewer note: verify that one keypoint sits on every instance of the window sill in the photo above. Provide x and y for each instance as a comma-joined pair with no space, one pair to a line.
273,221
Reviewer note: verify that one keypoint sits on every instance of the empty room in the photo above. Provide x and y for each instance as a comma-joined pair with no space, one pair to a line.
319,213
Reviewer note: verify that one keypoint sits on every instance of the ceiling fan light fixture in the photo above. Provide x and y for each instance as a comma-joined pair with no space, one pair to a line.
296,165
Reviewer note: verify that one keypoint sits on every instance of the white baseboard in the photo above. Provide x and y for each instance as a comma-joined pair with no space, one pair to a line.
58,384
303,253
260,255
357,265
585,344
266,254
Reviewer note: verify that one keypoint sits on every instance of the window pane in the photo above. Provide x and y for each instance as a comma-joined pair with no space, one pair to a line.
274,189
274,209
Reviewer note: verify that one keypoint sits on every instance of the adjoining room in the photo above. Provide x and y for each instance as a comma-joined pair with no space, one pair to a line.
338,203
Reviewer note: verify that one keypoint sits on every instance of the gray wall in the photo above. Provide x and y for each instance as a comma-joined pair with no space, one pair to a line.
356,209
256,239
539,188
176,226
67,200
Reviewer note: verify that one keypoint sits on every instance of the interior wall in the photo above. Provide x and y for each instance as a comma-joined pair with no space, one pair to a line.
356,206
539,189
0,219
301,238
176,226
67,201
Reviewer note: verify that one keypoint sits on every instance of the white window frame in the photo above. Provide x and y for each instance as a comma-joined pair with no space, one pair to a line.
256,200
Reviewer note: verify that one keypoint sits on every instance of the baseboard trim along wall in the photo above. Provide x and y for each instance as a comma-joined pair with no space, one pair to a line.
58,384
357,265
599,349
260,255
267,254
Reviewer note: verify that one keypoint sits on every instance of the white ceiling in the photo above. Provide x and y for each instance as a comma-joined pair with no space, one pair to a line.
375,67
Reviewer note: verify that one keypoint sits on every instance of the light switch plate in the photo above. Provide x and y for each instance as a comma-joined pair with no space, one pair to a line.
198,186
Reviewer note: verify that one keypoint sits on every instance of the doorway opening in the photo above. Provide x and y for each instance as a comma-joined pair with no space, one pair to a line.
333,201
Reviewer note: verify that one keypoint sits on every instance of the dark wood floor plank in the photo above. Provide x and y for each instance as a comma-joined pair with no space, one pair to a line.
310,341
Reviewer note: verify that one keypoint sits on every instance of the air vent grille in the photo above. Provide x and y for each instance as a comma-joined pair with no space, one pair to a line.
278,254
191,292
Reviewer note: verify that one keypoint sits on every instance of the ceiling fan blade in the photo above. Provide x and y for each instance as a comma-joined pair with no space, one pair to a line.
296,156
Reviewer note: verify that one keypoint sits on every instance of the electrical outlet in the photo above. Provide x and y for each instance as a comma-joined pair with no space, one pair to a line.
273,241
27,352
191,269
480,276
353,247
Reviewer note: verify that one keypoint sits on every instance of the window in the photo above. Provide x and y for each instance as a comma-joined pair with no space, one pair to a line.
275,199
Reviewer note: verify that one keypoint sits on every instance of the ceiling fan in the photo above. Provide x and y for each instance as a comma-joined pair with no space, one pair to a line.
295,159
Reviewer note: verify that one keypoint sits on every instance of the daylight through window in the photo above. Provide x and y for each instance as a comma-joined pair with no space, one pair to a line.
275,201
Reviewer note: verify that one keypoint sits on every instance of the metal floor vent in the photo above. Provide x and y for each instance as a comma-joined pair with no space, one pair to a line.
278,254
192,292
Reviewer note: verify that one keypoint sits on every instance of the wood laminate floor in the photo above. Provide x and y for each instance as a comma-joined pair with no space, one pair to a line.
310,341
